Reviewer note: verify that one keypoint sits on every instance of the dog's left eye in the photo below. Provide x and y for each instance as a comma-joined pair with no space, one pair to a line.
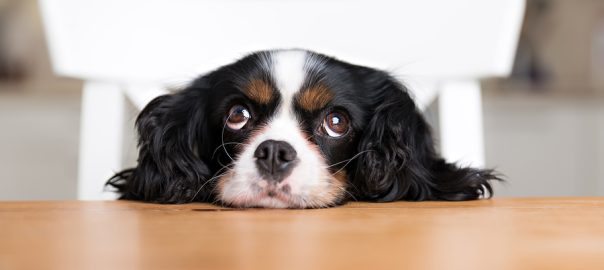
238,117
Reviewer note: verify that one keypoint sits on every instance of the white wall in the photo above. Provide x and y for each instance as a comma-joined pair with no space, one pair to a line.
546,145
38,146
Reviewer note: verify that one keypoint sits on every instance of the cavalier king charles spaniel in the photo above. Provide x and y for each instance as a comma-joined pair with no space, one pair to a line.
291,129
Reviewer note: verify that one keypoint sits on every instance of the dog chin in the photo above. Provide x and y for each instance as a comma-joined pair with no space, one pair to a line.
242,193
264,200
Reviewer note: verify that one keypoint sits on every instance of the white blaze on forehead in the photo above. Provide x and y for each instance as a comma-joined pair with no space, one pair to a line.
289,74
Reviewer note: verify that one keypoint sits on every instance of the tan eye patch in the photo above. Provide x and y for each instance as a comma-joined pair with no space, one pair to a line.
314,98
259,91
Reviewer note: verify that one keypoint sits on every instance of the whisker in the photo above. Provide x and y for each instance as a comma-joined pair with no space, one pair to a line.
222,138
347,192
352,185
348,160
227,143
220,163
210,180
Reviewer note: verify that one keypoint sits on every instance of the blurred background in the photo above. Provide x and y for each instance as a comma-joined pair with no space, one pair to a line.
544,125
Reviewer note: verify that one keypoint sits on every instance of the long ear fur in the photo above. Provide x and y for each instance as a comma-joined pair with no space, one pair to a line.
169,170
401,162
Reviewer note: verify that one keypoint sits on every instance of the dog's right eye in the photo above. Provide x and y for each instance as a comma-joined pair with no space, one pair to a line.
238,117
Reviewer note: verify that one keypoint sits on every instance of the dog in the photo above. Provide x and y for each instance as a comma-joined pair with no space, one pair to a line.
292,129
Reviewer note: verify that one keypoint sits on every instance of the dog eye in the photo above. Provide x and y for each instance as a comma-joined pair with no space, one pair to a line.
238,117
336,124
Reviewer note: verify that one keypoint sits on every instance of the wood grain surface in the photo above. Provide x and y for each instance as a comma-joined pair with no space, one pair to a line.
502,233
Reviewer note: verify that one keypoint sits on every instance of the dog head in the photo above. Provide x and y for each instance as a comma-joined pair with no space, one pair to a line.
291,129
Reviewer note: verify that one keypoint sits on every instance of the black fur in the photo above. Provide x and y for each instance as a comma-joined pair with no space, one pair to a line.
401,162
180,140
169,171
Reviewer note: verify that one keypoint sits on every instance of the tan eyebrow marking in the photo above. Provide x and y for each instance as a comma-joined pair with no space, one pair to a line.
315,97
259,91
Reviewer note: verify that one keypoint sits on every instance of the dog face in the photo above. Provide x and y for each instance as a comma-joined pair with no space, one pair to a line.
293,120
291,129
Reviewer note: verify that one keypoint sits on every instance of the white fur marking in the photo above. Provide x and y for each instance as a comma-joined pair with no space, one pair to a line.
289,74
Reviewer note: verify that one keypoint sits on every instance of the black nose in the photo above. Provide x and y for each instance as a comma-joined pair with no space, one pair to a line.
275,159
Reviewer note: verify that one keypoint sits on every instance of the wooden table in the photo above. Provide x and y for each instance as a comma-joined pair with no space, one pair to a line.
537,233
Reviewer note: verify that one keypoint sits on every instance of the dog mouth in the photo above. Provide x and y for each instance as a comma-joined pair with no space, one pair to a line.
268,194
261,195
272,194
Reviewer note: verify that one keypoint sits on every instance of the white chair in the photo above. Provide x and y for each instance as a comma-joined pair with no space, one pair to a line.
134,48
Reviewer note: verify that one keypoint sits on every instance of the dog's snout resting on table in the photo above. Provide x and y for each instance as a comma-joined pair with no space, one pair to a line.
291,129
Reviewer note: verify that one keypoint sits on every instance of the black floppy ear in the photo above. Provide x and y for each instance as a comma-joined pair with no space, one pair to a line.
169,170
400,162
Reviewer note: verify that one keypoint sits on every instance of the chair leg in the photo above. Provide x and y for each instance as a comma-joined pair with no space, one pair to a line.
101,134
461,128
